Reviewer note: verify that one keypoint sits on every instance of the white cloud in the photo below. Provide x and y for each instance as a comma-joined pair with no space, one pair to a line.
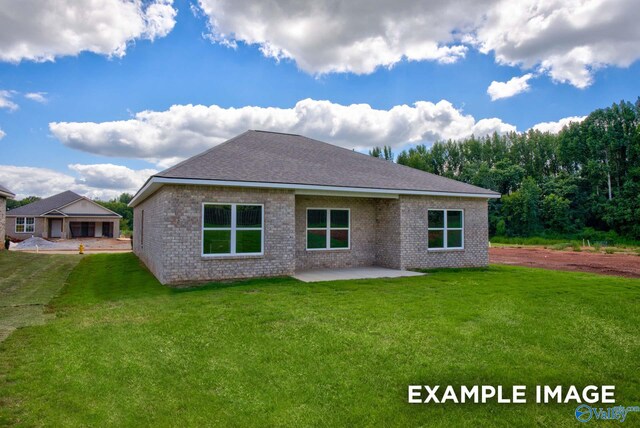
345,36
5,100
184,130
568,39
2,134
514,86
39,97
110,176
41,30
555,127
101,181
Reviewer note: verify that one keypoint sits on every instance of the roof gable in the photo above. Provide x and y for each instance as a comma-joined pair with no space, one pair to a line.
66,203
45,205
270,157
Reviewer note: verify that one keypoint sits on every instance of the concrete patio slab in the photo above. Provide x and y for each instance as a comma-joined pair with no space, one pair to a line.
367,272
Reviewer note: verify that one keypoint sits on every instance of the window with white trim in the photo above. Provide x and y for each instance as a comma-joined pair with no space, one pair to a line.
445,229
230,229
25,224
328,228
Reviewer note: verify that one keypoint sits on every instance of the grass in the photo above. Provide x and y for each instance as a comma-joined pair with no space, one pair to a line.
28,282
125,351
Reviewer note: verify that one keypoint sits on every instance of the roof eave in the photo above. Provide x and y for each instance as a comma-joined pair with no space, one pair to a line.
154,183
7,195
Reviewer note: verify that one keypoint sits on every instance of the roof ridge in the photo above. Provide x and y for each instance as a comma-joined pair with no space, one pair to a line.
276,132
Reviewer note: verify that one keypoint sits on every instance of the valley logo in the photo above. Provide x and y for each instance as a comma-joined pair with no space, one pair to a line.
585,413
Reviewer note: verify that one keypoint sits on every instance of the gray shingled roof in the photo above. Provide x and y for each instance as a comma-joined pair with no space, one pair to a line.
270,157
45,205
6,191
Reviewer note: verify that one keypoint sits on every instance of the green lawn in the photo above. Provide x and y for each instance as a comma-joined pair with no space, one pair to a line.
125,351
27,283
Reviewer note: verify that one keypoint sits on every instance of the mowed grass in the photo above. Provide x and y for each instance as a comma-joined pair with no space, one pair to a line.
125,351
27,283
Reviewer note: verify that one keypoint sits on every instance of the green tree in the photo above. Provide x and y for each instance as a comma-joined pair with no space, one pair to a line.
521,209
14,203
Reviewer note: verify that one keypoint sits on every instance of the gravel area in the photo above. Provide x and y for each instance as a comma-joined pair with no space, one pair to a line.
92,245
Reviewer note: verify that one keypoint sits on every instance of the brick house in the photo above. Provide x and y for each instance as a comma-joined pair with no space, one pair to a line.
4,195
65,215
270,204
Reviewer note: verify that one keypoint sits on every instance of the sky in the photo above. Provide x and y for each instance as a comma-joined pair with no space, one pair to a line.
96,96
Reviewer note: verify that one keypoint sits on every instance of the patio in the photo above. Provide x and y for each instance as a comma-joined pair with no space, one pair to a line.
366,272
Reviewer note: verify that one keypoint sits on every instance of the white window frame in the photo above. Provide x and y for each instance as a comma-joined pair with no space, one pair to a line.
24,224
445,229
328,229
232,249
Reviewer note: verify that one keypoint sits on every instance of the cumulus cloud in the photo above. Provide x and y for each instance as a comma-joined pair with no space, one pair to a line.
2,134
110,176
514,86
39,97
167,136
568,39
6,102
555,127
101,181
345,36
41,30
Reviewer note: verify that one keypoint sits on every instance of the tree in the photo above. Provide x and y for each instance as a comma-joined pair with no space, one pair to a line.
11,203
521,209
383,153
556,213
119,205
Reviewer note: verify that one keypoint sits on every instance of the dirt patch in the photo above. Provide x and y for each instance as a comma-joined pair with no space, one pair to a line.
607,264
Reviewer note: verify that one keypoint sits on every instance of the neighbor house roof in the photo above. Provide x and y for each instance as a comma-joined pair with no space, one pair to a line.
6,193
271,159
53,203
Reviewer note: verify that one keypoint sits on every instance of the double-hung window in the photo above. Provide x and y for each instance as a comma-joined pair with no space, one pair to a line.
25,225
328,229
232,229
446,229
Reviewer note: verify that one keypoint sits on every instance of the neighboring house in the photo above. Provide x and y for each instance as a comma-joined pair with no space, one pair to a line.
65,215
4,195
268,204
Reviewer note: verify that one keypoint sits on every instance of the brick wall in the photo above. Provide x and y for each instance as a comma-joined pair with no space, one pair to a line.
385,232
151,249
3,215
414,233
173,234
362,239
388,233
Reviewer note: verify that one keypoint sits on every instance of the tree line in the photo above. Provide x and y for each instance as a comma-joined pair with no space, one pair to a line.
586,177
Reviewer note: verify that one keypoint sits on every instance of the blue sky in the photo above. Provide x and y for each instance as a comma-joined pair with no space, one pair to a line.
93,89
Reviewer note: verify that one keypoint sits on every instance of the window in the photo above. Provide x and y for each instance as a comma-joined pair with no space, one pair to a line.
327,229
446,229
229,229
25,225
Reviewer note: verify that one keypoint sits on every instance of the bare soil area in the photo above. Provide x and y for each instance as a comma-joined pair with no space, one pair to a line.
626,265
